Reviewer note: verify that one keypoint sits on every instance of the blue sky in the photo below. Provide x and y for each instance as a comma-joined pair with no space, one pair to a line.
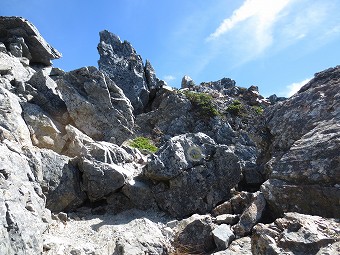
274,44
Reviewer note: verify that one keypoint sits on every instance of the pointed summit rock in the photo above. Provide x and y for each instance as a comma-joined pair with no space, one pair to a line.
125,67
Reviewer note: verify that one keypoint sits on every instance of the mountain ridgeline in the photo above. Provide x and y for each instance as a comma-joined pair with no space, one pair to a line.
112,160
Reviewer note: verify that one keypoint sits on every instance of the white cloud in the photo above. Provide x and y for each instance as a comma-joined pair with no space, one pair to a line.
265,11
254,21
295,87
169,78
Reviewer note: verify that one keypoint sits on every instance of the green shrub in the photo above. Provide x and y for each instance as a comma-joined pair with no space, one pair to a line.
204,102
258,109
236,107
143,143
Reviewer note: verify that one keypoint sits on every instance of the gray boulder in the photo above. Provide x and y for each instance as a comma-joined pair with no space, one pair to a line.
19,35
100,179
124,66
193,174
223,236
297,234
194,235
96,105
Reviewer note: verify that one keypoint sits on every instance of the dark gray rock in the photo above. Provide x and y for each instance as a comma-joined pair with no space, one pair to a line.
58,177
124,66
297,234
315,199
193,174
251,215
45,94
96,105
21,32
194,235
304,166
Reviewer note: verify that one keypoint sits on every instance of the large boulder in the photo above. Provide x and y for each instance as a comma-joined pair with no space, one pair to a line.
125,67
96,105
193,174
194,235
22,37
304,170
297,234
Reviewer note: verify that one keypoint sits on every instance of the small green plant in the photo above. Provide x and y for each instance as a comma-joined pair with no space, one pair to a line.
204,102
143,143
236,107
258,109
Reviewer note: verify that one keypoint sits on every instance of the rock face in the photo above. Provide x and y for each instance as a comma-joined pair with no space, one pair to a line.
193,174
22,39
305,170
125,67
297,234
96,105
23,217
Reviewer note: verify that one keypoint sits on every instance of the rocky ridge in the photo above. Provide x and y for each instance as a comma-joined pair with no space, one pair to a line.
235,173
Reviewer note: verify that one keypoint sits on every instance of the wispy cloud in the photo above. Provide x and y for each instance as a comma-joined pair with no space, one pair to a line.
265,12
295,87
169,78
259,27
253,23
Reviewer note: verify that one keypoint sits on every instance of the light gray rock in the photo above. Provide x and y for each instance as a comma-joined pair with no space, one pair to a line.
101,179
223,236
297,234
23,217
58,177
39,49
194,235
251,215
230,219
96,105
193,174
12,125
81,145
3,48
124,66
12,69
187,82
45,132
144,237
241,246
